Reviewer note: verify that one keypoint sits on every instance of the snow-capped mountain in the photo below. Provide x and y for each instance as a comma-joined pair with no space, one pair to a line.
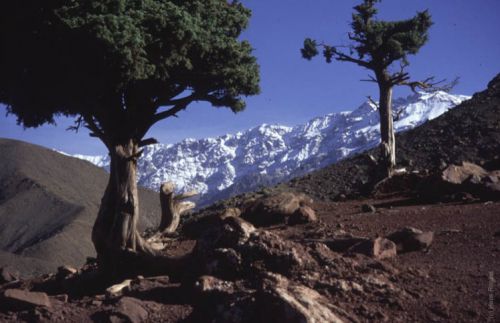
268,154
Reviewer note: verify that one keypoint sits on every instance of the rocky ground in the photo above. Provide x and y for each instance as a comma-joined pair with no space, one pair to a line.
333,269
334,246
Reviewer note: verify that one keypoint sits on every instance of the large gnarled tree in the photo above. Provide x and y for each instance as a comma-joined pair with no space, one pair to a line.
119,67
377,45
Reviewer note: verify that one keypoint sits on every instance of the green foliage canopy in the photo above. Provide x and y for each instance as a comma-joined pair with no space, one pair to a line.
122,65
377,43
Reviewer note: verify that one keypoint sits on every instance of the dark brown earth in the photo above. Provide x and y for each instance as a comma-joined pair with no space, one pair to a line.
280,272
447,283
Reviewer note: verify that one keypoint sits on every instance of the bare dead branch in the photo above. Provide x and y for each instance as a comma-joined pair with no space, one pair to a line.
373,102
172,208
370,79
427,85
398,113
148,141
78,123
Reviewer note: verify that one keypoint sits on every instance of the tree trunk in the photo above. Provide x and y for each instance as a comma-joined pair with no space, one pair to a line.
115,229
388,141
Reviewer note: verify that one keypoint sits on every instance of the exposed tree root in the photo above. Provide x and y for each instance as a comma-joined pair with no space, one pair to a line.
172,207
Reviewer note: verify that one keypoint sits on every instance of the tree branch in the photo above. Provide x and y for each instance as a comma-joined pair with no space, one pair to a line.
373,102
370,79
398,113
92,126
178,105
427,85
78,124
339,56
166,99
400,76
346,58
146,142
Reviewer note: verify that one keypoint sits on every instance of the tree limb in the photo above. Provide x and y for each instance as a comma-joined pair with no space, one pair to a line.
165,98
78,124
373,102
370,79
92,126
426,85
178,105
148,141
346,58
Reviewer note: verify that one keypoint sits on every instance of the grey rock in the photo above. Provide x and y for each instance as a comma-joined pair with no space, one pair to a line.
19,299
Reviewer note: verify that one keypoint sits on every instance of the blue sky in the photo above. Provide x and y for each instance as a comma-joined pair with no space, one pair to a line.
463,42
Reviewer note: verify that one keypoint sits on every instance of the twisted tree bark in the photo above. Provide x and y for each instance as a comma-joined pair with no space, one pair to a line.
172,207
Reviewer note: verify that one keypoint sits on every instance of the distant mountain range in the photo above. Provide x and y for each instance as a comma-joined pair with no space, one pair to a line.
267,154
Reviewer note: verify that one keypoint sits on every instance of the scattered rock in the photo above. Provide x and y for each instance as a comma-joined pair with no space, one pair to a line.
129,309
274,209
212,285
302,215
8,275
449,231
411,239
368,208
274,253
18,299
347,286
379,248
341,197
141,284
441,308
226,234
459,174
465,182
230,212
118,289
61,298
225,263
343,244
65,271
282,300
237,230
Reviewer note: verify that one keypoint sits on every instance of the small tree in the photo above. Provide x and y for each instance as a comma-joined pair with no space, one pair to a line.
119,67
378,45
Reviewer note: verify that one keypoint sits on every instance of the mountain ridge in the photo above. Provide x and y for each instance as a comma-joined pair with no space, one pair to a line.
48,205
267,154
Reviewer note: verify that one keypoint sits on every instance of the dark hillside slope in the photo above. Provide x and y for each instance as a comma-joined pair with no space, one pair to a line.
469,132
48,203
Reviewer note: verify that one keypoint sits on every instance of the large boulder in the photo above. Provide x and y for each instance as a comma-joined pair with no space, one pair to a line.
455,180
466,172
128,309
282,300
274,209
303,215
270,252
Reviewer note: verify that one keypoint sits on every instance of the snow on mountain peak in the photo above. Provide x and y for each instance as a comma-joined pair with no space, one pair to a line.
272,153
